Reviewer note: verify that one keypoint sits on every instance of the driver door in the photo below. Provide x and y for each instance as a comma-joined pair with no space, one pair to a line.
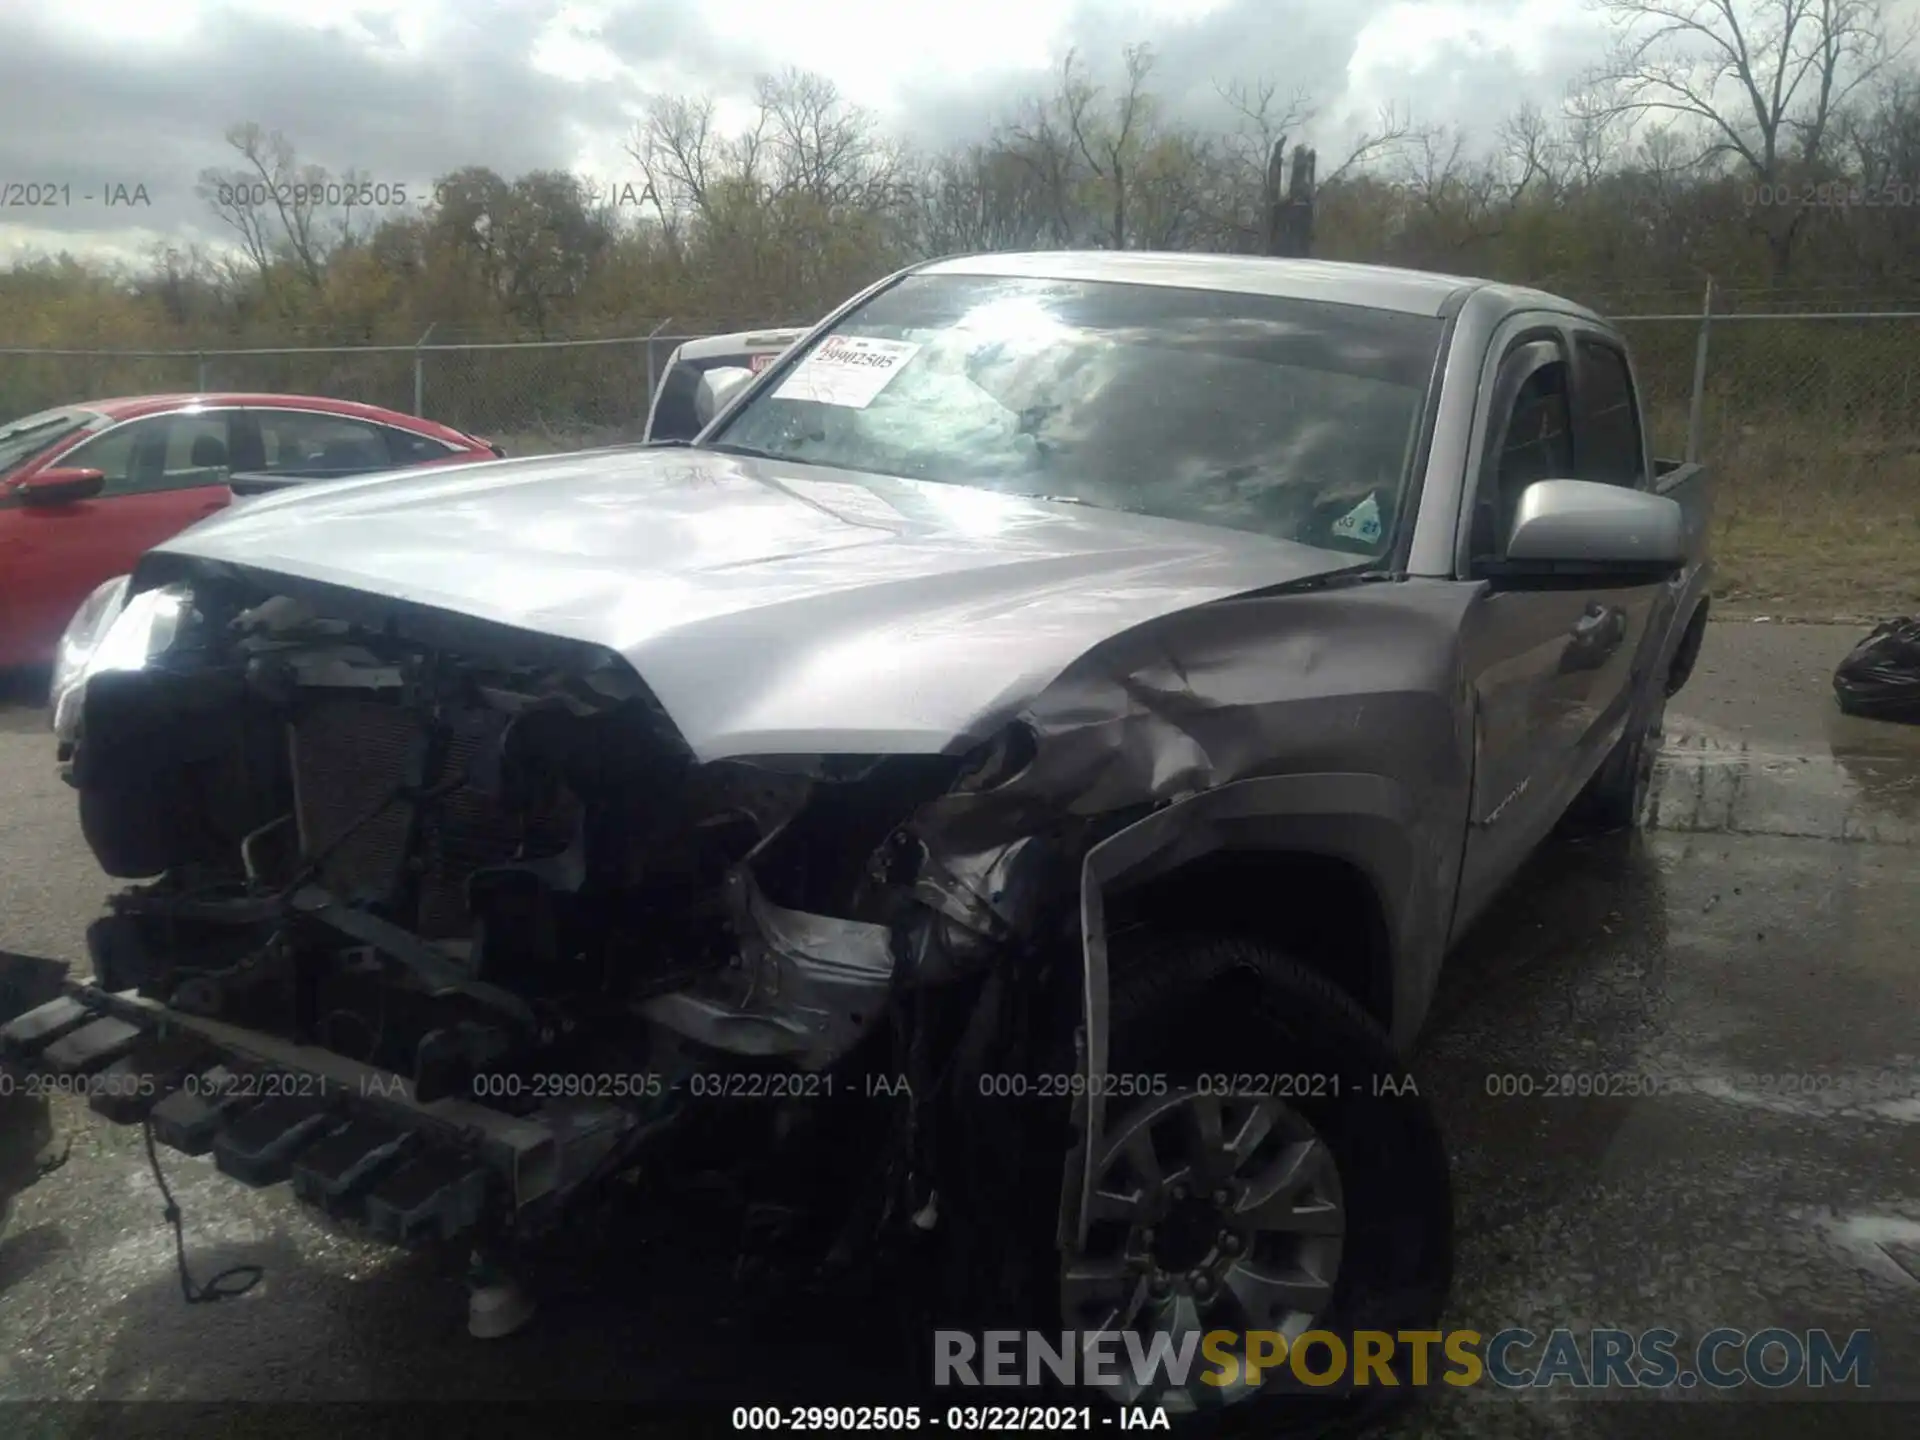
1529,652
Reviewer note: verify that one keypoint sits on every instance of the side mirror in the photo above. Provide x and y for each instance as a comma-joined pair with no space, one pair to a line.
62,486
1580,527
718,386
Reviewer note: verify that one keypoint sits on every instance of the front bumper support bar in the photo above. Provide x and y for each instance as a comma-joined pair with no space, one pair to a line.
350,1138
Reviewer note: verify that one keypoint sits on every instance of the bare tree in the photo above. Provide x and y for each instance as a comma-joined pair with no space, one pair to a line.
805,141
1041,146
1593,131
823,147
1256,193
1761,82
187,281
1109,143
1234,201
532,241
1456,197
980,197
1533,156
1388,137
1883,138
281,209
679,152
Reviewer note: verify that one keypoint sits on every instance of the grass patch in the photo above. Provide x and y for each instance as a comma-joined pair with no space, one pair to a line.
1810,526
560,440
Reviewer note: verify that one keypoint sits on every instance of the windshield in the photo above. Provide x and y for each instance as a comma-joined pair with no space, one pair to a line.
21,440
1292,418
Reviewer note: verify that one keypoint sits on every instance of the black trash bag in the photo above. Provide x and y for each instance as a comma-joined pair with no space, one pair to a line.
1880,678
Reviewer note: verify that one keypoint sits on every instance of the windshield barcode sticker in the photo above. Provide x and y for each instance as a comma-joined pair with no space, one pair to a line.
847,370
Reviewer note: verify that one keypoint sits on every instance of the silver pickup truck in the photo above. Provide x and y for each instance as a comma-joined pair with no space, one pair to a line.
682,404
1057,701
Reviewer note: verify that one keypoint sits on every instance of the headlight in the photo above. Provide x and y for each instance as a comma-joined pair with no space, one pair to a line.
111,632
1000,761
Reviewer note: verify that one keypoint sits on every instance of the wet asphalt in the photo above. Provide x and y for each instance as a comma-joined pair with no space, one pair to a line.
1753,954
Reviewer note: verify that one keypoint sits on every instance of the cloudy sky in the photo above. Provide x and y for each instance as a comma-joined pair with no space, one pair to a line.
102,96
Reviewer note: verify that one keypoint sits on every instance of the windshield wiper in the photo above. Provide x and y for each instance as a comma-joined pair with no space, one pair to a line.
749,452
1071,500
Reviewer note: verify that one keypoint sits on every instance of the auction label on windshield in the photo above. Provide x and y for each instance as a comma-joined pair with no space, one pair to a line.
847,370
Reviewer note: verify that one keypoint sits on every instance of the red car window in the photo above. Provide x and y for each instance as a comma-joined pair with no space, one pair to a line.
404,447
25,438
163,452
313,440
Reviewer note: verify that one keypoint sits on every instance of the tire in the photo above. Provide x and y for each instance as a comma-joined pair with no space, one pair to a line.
1616,797
1190,1008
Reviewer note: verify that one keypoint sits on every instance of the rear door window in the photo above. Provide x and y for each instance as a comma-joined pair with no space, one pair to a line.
314,442
406,448
1607,445
197,450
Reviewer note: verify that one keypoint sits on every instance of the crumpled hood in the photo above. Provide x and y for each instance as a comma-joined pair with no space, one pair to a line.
771,607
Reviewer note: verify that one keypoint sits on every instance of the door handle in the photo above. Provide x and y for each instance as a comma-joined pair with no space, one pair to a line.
1599,621
1594,637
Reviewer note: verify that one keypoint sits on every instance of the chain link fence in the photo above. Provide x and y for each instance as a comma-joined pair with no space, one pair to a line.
532,396
1794,406
1810,424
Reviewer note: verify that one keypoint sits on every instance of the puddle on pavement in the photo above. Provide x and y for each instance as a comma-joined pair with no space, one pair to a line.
1861,782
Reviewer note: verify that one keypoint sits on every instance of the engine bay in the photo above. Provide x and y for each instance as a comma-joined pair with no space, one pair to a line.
473,871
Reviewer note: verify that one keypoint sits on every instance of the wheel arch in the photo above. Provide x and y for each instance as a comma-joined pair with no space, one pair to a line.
1323,909
1324,865
1687,652
1369,821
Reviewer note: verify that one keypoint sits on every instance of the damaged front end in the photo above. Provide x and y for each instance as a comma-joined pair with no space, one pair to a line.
444,921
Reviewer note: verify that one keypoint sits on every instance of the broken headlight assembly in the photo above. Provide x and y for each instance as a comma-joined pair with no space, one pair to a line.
111,632
999,761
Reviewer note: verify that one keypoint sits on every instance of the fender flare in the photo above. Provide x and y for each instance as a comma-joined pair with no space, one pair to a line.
1365,819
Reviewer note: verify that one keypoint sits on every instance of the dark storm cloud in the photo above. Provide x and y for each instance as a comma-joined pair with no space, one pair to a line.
90,112
672,39
1304,46
1476,88
87,113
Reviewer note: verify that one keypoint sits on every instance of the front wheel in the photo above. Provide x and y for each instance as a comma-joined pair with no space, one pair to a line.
1288,1177
1616,797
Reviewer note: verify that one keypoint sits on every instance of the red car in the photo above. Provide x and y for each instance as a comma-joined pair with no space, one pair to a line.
86,489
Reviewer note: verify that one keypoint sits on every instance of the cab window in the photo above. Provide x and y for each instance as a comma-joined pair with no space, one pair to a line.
1535,443
1608,448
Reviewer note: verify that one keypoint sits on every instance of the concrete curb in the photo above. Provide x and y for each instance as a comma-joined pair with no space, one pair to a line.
1718,618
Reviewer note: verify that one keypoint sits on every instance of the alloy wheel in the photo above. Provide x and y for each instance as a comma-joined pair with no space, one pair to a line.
1208,1212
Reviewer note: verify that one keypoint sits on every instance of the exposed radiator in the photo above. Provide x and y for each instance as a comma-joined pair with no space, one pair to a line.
349,755
467,829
